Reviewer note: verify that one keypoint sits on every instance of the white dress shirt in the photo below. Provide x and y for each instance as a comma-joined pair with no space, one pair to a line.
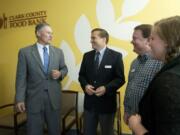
40,50
101,54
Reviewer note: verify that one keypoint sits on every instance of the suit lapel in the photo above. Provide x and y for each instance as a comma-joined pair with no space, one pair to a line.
103,61
36,56
51,55
93,59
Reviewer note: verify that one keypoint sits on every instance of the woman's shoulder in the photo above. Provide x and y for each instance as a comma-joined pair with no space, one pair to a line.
168,77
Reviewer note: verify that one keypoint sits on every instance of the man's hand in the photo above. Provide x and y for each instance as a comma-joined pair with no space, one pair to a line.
134,121
136,126
55,74
20,107
100,91
89,89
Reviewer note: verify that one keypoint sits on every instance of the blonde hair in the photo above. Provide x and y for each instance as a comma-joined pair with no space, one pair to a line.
168,30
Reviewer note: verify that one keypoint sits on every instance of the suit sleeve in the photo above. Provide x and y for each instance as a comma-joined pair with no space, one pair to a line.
82,73
63,68
119,78
21,78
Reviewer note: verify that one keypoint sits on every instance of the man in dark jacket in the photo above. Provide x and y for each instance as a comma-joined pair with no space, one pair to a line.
100,76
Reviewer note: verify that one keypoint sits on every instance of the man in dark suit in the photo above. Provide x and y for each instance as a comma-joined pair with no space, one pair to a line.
40,69
100,76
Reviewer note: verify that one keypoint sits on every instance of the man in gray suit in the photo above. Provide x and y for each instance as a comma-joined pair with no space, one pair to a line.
40,69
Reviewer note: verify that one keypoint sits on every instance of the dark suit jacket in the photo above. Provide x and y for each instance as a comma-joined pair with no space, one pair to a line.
160,106
110,75
31,80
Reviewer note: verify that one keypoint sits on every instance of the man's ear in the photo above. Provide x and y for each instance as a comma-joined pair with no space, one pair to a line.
148,40
104,40
38,34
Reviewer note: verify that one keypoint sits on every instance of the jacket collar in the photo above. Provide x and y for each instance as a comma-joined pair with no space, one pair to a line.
171,64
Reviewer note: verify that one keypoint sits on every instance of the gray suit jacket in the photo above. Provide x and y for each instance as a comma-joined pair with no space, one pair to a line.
31,80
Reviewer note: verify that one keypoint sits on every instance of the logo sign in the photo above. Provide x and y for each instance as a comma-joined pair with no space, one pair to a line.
22,20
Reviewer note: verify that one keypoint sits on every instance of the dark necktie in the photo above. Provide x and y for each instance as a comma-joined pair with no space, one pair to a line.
46,59
96,63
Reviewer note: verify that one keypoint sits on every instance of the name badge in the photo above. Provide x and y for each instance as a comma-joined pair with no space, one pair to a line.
108,66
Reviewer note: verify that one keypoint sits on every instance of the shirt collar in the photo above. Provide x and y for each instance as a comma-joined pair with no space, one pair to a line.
144,57
41,46
102,51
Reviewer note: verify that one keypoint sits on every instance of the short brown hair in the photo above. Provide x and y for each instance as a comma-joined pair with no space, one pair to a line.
40,26
168,30
102,33
145,29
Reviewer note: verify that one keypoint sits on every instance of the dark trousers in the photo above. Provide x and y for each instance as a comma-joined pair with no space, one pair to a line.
36,121
91,120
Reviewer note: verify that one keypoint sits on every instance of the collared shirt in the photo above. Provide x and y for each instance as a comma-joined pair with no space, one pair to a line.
142,71
40,50
101,54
